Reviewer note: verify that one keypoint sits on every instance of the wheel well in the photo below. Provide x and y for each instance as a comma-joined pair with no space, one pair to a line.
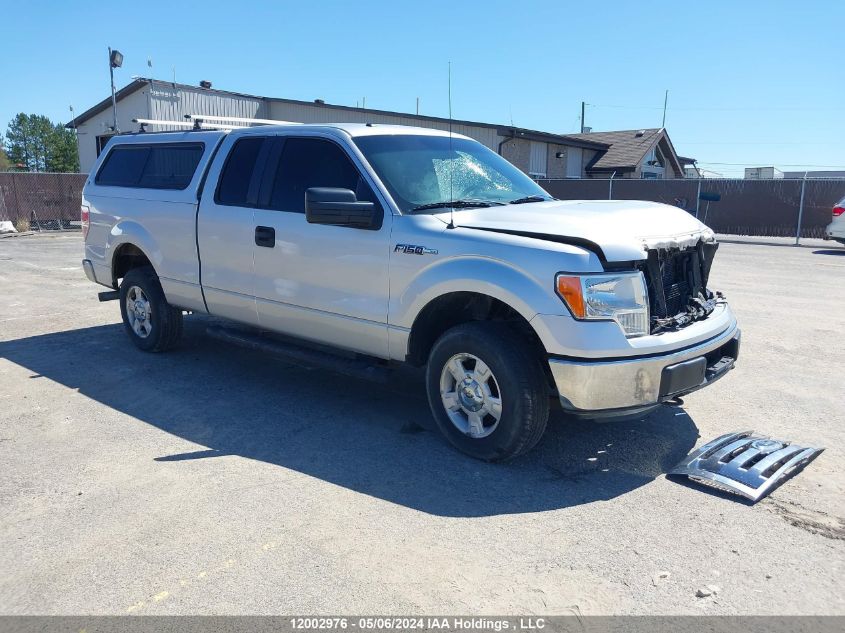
455,308
127,257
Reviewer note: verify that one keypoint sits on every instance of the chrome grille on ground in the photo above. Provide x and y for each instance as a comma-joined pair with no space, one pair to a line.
745,464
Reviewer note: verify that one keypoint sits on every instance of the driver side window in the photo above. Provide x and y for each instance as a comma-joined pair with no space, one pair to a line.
308,162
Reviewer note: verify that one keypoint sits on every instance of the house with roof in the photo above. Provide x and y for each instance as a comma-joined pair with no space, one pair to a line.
645,153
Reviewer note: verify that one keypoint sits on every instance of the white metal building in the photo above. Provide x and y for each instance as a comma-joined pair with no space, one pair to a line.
763,173
540,154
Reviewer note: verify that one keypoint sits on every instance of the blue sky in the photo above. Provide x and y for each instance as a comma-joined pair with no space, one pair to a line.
750,83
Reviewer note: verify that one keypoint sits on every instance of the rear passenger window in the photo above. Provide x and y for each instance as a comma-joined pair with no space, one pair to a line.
237,173
309,163
169,166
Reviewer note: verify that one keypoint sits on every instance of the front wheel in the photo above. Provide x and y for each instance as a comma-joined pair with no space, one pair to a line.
487,391
152,323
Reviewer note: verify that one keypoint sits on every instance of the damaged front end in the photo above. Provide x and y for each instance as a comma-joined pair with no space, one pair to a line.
676,280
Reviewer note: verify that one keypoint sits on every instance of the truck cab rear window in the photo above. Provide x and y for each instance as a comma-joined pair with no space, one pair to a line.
169,166
238,172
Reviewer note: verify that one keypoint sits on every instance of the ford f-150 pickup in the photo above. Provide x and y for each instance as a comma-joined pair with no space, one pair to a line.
416,246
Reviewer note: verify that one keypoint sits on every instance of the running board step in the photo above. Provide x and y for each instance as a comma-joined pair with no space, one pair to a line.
301,355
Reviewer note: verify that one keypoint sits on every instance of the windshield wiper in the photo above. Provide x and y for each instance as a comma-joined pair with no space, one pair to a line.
529,199
457,204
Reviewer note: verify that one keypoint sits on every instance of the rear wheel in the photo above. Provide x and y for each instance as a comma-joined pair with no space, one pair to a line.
152,323
487,391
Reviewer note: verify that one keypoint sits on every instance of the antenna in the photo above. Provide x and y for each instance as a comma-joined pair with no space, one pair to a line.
451,162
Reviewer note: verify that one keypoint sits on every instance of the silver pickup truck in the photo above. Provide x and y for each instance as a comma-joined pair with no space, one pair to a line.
413,246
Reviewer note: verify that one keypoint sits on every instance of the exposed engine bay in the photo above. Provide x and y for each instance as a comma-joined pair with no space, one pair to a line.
676,279
676,272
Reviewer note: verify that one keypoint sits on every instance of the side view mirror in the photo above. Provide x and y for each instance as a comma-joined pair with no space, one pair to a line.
340,207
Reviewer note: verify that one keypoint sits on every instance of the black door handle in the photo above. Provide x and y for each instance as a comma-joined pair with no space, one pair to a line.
265,236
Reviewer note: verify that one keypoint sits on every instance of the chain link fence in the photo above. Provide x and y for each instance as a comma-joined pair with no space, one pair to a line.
768,208
41,202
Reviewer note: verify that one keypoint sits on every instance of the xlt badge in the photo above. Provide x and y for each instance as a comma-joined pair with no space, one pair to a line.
411,249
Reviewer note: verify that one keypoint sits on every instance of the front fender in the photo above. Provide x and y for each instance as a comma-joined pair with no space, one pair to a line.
484,275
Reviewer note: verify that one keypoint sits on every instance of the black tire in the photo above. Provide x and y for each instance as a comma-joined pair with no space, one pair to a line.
165,321
518,377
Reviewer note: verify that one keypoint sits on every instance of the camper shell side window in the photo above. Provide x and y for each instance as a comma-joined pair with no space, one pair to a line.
151,166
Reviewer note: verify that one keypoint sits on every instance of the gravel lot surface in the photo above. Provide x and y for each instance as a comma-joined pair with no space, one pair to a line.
217,480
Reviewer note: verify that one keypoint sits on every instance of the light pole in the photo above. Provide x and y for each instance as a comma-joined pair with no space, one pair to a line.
115,61
75,129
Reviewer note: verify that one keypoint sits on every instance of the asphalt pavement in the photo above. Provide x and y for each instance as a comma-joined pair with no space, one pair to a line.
217,480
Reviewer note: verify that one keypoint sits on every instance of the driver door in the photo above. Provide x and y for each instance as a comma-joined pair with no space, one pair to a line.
320,282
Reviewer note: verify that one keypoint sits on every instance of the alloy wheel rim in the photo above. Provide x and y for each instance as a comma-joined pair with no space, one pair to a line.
471,396
138,312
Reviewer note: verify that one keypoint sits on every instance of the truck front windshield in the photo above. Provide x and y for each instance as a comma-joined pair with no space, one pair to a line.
430,172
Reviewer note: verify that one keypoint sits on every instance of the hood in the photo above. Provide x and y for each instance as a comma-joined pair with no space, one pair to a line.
622,229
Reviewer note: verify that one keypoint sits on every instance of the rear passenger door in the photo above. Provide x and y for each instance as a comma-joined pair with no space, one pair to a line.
226,227
319,282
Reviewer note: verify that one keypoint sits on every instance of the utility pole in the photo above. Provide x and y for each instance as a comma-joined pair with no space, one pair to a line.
583,107
665,101
418,106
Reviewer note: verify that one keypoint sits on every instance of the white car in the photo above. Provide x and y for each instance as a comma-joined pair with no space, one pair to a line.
836,229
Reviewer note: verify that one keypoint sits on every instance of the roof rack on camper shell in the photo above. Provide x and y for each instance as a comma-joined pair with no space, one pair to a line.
209,122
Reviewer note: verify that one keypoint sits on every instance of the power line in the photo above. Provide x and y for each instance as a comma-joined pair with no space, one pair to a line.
759,143
748,109
755,162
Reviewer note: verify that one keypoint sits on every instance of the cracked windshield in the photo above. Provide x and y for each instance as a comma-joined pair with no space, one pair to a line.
429,172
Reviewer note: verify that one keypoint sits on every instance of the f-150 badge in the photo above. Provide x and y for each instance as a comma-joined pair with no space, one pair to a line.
411,249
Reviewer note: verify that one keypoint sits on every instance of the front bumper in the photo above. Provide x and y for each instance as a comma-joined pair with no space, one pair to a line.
625,386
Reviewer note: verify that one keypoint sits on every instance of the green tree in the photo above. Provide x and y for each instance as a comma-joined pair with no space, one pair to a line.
37,144
62,155
5,163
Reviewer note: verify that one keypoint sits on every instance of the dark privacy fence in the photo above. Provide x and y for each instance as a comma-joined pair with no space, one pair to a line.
41,202
746,207
768,208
